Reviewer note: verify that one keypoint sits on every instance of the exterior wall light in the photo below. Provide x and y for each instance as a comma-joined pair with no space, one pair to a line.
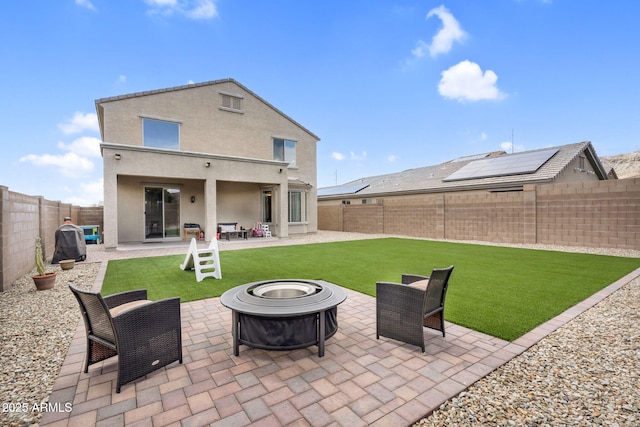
193,199
117,156
207,164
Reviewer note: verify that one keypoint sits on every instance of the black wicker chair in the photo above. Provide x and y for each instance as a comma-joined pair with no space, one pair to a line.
402,310
145,335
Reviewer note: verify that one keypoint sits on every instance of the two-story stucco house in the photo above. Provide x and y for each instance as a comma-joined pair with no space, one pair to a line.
204,153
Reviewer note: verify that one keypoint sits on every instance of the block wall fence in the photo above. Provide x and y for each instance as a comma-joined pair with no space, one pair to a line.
22,219
592,214
602,214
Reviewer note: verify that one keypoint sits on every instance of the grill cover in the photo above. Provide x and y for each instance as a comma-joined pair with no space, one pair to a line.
70,244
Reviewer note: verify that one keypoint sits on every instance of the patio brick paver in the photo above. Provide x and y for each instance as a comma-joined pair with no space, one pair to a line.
360,381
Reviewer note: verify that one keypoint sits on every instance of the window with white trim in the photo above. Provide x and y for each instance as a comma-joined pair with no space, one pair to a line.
297,206
160,134
284,150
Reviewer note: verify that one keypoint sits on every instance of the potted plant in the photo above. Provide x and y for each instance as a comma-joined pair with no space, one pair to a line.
67,264
42,280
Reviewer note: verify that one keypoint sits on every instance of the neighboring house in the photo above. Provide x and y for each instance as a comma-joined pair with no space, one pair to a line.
204,153
495,171
554,195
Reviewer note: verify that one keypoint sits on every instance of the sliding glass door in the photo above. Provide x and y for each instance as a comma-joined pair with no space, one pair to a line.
161,213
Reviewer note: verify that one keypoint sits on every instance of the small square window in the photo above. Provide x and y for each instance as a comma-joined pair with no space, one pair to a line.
231,102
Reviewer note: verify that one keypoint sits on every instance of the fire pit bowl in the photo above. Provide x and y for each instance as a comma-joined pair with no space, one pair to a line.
283,314
284,290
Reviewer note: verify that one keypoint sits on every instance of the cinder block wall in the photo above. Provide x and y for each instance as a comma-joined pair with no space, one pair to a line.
330,218
593,214
364,219
22,219
90,216
20,225
491,217
600,214
416,216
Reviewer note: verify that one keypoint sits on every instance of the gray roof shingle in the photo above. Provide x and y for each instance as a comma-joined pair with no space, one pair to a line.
430,178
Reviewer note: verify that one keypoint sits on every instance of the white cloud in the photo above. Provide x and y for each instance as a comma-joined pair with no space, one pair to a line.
75,162
86,4
194,9
204,9
79,123
69,164
465,81
162,3
337,156
355,156
442,42
86,146
392,158
419,51
121,79
89,193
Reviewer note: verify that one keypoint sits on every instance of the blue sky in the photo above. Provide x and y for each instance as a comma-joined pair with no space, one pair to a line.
386,85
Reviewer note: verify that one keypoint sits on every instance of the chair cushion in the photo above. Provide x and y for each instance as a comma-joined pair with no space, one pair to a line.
128,306
420,284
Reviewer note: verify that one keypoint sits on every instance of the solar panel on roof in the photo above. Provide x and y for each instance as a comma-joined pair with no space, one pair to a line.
342,189
512,164
471,157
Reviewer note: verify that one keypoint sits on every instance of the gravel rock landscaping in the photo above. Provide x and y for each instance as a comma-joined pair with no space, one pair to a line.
586,373
37,327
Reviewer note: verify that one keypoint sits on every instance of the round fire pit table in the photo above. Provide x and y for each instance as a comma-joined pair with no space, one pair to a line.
283,314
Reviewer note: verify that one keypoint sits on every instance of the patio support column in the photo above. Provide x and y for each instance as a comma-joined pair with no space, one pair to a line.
283,210
110,215
210,214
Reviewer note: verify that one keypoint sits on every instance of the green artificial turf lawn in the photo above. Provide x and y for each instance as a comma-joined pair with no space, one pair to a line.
504,292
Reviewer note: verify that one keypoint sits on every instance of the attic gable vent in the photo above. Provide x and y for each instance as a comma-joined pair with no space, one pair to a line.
231,102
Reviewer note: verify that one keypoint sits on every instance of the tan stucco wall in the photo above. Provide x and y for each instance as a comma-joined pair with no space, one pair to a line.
573,172
238,146
124,195
239,202
206,128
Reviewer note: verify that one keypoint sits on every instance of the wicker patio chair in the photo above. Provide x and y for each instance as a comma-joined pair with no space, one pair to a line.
145,335
403,309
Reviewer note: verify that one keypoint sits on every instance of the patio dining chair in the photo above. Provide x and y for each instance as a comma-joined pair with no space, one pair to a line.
403,309
145,335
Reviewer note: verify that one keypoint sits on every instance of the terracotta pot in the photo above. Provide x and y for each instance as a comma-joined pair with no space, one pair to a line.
67,264
46,281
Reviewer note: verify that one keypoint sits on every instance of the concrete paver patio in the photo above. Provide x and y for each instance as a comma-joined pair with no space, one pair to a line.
360,381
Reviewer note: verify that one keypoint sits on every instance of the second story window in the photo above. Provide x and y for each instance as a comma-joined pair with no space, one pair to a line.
285,151
161,134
